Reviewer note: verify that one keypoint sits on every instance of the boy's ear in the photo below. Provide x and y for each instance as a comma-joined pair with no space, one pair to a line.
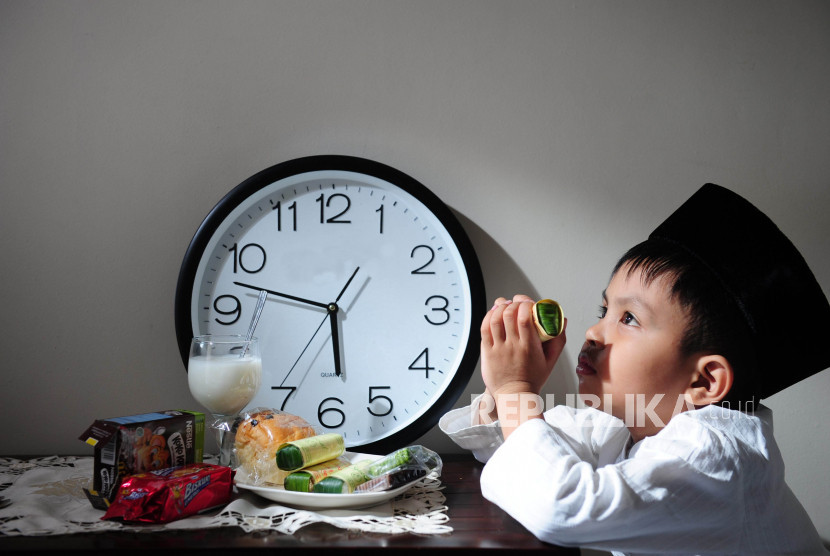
712,380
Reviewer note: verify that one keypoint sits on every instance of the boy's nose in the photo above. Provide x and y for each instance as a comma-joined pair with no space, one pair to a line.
594,334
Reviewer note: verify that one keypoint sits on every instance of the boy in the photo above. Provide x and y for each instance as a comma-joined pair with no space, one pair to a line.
714,311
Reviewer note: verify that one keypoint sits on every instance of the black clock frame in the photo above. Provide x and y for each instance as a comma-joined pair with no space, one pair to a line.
264,178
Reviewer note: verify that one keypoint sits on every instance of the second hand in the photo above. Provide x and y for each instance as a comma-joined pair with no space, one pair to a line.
304,349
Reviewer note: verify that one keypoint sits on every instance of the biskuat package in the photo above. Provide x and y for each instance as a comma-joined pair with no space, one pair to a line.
172,493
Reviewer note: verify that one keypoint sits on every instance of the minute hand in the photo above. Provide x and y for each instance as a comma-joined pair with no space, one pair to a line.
285,295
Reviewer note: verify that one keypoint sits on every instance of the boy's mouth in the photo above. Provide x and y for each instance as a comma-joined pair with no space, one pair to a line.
584,367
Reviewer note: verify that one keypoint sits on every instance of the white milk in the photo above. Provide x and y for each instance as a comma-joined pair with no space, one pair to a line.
224,384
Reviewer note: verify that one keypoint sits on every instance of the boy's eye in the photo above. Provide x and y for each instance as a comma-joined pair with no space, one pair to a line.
602,310
630,319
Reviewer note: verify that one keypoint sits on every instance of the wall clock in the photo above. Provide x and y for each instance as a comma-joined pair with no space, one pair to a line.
375,292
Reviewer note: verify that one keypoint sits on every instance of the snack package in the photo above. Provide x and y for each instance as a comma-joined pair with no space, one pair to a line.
391,471
138,443
172,493
393,479
305,479
258,434
299,454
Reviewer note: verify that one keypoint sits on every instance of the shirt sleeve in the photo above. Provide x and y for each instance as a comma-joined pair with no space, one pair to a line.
463,428
587,434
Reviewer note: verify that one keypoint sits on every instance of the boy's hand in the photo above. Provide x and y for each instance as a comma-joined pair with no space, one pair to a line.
513,358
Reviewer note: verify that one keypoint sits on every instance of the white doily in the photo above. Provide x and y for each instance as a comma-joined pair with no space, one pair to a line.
47,499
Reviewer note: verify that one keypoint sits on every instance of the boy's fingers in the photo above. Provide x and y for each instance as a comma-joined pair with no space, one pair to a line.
487,321
500,301
496,324
507,319
524,318
486,335
553,348
509,313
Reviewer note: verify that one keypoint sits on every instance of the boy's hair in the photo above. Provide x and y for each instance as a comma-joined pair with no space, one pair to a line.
714,322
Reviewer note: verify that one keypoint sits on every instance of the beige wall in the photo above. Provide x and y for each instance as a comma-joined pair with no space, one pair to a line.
123,122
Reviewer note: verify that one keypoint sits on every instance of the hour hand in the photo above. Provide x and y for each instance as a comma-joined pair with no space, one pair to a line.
285,295
335,337
333,309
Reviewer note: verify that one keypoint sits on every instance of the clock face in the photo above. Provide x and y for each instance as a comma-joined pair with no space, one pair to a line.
374,291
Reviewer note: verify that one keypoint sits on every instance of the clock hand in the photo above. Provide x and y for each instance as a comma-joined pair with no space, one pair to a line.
333,309
304,349
335,337
347,285
285,295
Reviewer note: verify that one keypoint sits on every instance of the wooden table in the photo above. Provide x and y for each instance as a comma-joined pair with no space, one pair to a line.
476,524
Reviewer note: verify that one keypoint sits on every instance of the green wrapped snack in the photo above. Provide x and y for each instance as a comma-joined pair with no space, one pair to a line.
549,319
305,452
347,480
305,479
393,460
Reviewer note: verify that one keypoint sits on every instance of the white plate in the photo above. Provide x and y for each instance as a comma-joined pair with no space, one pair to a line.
320,501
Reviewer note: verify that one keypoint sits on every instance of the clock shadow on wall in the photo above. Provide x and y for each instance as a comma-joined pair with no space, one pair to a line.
503,277
375,295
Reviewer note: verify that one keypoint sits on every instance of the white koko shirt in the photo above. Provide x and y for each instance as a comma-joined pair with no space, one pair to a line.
710,482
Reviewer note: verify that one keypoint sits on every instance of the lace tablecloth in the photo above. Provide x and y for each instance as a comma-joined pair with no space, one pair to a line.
47,499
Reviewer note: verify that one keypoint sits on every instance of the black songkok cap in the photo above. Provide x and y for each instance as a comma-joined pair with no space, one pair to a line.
786,312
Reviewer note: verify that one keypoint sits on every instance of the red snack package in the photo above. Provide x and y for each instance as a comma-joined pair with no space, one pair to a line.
173,493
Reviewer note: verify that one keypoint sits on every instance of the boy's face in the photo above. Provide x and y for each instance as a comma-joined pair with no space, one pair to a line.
632,354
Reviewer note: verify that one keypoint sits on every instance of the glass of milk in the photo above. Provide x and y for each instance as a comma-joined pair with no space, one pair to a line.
224,374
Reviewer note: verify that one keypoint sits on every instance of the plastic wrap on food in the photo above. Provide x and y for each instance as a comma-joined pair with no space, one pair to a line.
258,433
305,452
393,479
413,461
304,479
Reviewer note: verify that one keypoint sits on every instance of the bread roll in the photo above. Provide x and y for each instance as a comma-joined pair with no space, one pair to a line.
257,440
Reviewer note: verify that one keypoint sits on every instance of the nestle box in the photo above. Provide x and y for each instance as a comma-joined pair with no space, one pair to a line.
137,443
